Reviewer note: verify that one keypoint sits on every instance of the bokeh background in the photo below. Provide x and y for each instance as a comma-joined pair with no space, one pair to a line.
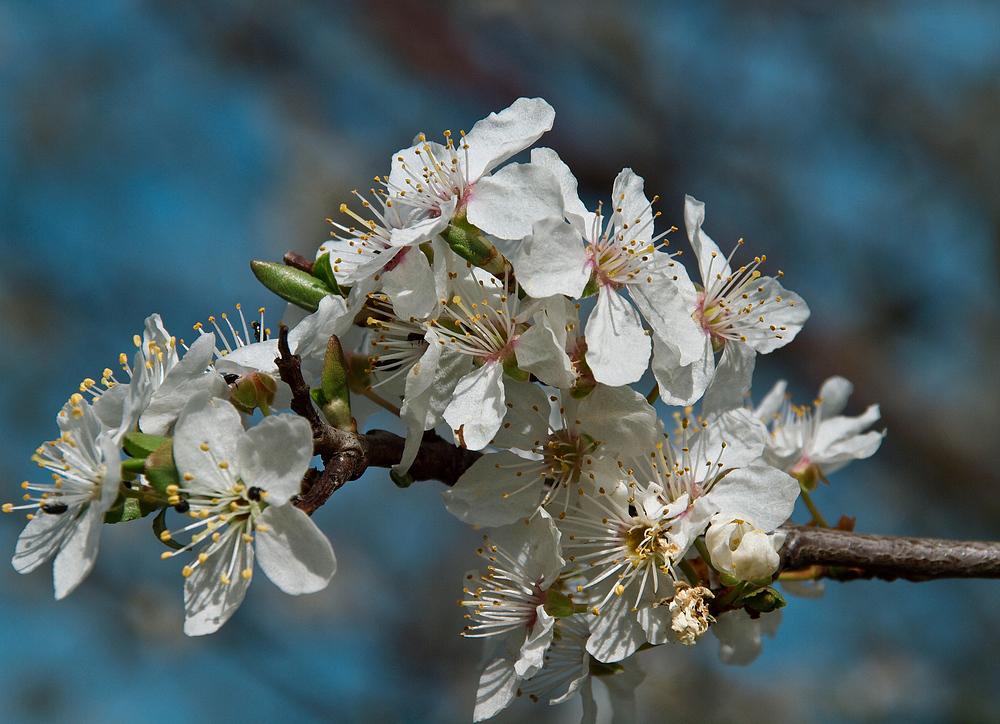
150,148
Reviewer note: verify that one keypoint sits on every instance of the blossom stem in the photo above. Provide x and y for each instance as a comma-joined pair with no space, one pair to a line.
692,575
813,510
384,404
653,395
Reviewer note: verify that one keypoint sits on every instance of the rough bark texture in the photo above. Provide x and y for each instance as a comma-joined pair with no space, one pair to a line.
844,555
346,455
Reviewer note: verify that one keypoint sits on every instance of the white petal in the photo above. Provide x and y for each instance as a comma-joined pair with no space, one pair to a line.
635,208
410,286
621,687
787,316
615,634
534,546
274,455
567,184
681,385
212,422
424,229
497,686
834,394
620,417
188,377
667,305
535,645
764,493
40,539
492,496
538,351
740,637
772,402
500,135
208,603
711,262
477,407
78,552
552,260
293,552
509,202
732,380
617,346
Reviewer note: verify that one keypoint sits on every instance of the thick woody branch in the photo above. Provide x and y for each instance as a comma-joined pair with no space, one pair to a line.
845,555
347,455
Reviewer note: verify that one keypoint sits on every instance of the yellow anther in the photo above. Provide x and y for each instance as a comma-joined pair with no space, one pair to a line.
246,573
172,489
165,555
204,447
186,571
188,477
224,579
224,465
165,535
8,507
202,557
262,527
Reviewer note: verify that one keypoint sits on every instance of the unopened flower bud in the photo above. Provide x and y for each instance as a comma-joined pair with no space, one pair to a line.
739,549
254,390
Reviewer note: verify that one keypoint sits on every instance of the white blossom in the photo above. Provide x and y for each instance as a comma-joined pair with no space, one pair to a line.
85,464
811,442
237,485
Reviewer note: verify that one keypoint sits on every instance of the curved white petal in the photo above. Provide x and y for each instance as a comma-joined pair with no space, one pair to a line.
274,455
765,494
477,406
500,135
410,286
509,202
208,602
617,346
552,260
293,552
78,552
216,424
499,489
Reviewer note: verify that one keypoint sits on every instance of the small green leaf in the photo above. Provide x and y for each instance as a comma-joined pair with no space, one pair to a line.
764,600
558,605
125,509
291,284
402,481
139,444
323,271
160,469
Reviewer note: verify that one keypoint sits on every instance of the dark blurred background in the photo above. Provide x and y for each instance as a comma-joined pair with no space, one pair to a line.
151,148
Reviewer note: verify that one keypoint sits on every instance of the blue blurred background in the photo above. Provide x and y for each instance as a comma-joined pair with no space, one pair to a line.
150,148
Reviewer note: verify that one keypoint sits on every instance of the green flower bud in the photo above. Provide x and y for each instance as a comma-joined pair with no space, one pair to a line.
293,285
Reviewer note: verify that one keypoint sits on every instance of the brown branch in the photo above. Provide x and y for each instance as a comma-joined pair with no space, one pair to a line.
346,455
845,556
297,261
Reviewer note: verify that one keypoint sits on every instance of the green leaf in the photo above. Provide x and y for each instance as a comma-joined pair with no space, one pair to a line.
125,509
293,285
323,271
402,481
160,469
139,444
558,605
764,600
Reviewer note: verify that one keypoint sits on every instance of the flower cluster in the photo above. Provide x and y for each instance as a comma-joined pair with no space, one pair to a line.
482,296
